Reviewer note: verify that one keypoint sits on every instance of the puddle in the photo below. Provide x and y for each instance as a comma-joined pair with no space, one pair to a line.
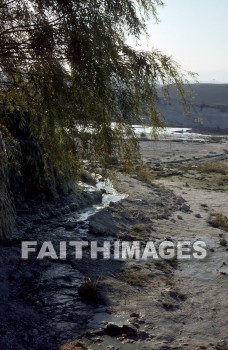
101,318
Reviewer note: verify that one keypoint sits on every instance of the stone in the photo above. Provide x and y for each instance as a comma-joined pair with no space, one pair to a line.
102,224
223,242
185,208
135,314
180,200
114,330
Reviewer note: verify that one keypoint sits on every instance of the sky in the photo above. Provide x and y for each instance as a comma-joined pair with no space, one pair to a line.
195,34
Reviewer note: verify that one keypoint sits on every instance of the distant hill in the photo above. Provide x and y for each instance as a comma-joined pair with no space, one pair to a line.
211,94
210,108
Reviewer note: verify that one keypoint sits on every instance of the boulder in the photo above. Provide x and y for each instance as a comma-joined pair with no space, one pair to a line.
102,224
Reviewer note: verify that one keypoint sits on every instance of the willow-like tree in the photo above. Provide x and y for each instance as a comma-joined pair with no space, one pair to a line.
66,67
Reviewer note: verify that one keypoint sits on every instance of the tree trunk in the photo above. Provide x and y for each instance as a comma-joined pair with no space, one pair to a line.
7,215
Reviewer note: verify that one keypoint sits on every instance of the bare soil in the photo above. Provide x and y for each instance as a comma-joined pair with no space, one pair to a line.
179,305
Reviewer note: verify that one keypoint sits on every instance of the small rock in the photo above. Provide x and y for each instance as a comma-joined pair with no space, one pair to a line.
180,200
114,330
179,217
185,208
129,330
144,335
199,216
141,321
170,306
135,314
223,242
204,205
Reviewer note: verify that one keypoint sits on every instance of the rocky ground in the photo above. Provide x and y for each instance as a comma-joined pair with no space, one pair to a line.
107,304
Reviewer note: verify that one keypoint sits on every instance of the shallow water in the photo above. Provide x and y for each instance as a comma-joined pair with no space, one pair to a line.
171,133
110,195
61,279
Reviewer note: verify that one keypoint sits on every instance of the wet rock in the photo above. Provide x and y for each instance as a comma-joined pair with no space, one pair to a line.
92,197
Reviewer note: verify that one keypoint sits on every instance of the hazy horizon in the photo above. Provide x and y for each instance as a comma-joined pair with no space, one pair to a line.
194,33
